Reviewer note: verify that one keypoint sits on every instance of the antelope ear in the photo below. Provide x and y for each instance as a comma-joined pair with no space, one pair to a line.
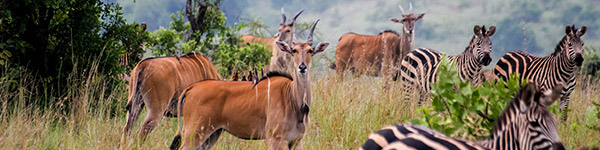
396,20
420,16
527,95
581,31
491,31
320,47
477,30
284,46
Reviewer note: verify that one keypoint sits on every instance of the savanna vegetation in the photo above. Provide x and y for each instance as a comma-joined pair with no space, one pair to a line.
59,66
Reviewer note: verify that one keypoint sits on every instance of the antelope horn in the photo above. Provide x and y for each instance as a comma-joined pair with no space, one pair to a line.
283,16
401,10
410,7
296,16
312,30
294,39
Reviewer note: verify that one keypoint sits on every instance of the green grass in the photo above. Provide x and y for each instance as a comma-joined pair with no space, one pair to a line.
343,114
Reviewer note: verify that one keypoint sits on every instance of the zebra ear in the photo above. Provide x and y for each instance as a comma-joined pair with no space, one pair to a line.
581,31
477,30
491,31
527,95
568,30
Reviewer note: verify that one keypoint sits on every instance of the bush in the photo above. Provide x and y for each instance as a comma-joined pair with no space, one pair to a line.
57,40
460,109
222,47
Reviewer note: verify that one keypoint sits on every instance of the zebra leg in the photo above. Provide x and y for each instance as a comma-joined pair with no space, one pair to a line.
564,105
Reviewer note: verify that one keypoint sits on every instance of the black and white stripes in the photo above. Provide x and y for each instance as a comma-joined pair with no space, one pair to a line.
526,123
419,68
561,66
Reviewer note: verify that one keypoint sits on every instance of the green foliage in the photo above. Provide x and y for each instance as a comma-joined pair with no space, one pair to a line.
223,47
459,108
591,64
231,58
56,40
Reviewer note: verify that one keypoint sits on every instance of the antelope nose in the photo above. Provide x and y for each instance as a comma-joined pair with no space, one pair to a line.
302,68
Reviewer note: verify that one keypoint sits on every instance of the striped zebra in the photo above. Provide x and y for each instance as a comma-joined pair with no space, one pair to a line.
561,66
526,123
419,68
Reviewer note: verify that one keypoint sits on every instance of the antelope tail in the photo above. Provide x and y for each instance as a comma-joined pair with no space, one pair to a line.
137,80
177,139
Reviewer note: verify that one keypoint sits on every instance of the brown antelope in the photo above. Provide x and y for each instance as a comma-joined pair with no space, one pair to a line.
376,54
276,109
279,61
157,82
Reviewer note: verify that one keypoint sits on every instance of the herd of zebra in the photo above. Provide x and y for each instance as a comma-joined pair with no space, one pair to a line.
276,106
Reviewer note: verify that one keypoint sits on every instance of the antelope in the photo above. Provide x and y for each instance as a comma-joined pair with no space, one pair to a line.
382,52
279,61
156,83
275,109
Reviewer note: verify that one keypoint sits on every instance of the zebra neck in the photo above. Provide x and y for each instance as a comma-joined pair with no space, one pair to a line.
468,66
564,65
508,127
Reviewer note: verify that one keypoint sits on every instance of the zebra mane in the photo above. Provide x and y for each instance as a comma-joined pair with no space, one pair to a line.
559,46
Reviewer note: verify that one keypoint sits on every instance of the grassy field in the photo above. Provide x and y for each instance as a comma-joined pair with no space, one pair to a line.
342,115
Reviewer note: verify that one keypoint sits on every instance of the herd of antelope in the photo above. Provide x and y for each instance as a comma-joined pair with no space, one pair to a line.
275,106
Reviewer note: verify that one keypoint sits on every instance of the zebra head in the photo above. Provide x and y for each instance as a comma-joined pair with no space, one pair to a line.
286,31
537,126
574,44
408,20
481,44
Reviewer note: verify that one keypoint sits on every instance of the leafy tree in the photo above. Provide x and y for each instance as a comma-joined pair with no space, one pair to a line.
458,108
63,38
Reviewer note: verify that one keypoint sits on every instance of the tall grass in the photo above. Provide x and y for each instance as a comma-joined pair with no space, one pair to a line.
343,114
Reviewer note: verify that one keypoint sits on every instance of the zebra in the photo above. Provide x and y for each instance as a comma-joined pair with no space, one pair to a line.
526,123
561,66
419,68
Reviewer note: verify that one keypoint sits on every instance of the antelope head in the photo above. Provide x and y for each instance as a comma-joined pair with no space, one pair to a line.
408,20
302,52
574,44
286,31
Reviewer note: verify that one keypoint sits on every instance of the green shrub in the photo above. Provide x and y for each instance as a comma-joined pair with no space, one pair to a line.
460,109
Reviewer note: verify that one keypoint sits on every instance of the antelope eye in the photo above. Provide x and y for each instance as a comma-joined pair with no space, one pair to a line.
287,30
294,51
310,51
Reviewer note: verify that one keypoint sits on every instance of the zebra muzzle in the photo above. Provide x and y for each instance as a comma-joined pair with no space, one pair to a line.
578,60
486,60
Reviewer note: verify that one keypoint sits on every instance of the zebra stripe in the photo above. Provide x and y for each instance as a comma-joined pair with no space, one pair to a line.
561,67
419,68
406,136
526,123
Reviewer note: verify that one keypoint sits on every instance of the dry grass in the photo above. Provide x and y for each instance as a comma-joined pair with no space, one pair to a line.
342,115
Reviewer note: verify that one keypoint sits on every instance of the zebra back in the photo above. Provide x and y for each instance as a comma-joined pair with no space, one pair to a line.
526,123
560,67
407,136
419,68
